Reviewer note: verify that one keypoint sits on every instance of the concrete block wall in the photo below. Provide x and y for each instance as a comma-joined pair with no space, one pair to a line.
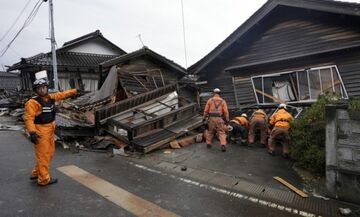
343,153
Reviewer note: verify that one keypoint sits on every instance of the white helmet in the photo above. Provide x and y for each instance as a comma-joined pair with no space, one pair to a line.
40,82
244,115
216,90
282,105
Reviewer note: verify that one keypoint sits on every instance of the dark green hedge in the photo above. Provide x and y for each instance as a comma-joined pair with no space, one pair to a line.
308,137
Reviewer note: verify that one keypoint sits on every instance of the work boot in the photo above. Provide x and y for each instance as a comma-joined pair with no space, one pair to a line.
223,148
32,178
52,181
286,156
208,145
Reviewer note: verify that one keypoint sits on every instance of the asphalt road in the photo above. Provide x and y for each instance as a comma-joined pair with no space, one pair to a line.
21,197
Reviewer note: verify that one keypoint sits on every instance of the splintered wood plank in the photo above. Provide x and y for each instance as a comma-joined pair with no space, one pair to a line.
290,186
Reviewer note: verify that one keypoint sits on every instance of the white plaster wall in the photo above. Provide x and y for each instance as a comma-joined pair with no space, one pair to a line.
95,47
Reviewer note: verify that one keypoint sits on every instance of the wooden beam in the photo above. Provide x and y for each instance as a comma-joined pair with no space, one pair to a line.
291,187
270,96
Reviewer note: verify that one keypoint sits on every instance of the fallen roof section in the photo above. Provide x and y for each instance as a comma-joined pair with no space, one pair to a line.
155,123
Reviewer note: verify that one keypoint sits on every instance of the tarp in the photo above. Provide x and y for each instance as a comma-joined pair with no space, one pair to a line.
108,88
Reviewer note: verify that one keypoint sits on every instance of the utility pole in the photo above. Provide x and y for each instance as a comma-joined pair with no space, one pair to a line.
53,49
183,23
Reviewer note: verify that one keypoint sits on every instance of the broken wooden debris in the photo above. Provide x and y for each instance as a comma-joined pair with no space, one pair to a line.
186,141
291,187
154,123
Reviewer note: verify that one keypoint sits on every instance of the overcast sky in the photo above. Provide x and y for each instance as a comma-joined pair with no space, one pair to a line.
207,23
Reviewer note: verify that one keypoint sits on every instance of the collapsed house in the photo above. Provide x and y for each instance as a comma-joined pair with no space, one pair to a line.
287,51
78,63
9,86
9,81
140,103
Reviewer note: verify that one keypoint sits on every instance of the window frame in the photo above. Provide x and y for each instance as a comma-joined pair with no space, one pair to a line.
343,91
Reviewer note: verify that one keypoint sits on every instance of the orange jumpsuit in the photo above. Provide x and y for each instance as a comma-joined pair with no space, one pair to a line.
258,121
240,127
242,121
217,111
45,148
281,121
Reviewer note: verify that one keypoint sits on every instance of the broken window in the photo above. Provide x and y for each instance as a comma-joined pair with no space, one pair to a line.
298,86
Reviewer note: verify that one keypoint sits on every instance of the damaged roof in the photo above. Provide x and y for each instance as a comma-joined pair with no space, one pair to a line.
63,59
9,81
329,6
66,57
145,51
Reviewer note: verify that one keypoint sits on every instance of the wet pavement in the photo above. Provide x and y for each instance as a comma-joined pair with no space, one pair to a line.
21,197
249,163
204,188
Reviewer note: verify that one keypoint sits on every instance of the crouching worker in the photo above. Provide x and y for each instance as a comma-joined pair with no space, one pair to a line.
39,118
239,129
280,121
217,115
258,121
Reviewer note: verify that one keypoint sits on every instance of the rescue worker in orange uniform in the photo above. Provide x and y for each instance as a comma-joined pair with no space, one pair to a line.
217,115
281,122
258,121
39,118
239,127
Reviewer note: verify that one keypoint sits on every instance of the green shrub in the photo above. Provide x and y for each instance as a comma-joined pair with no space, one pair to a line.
354,104
308,137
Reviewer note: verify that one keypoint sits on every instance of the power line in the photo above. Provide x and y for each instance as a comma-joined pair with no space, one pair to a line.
17,18
27,22
12,49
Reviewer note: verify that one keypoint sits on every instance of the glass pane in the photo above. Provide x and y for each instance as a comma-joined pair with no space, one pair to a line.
268,93
326,80
258,88
303,86
282,88
337,83
315,87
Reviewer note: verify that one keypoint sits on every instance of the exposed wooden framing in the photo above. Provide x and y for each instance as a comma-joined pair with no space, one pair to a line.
172,107
140,82
108,111
145,113
162,78
270,96
293,88
154,81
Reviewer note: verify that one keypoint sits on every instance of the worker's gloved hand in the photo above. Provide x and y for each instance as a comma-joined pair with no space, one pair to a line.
205,123
34,137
